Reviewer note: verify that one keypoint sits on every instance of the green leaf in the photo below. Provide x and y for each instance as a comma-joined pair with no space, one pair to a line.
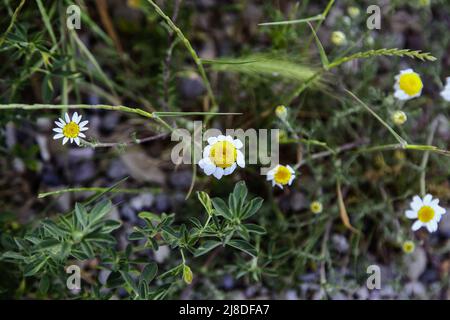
100,210
81,215
243,246
115,280
47,244
34,267
129,281
254,228
149,216
44,284
221,208
251,208
111,225
205,201
143,289
149,272
206,247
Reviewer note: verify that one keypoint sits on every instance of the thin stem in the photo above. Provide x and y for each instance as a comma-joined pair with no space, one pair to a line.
94,189
425,158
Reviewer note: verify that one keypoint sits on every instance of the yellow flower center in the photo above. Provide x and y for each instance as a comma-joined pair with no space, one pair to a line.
410,83
425,214
71,130
316,207
283,175
223,154
408,246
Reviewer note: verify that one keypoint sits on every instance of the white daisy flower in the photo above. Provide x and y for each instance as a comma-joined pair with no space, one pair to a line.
221,156
446,92
408,85
70,129
281,175
427,212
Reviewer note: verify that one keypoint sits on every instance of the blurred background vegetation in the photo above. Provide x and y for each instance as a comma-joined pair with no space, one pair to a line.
126,54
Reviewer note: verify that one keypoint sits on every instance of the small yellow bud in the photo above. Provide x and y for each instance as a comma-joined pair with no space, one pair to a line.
408,247
399,117
316,207
187,274
135,4
353,11
338,38
281,112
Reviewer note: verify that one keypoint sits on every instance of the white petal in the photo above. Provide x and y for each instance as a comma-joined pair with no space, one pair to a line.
218,173
416,225
270,176
291,179
67,117
75,117
417,203
401,95
230,169
290,169
201,163
432,226
58,136
84,129
59,130
279,186
427,199
83,123
209,169
410,214
240,159
229,139
212,140
81,135
71,140
409,70
206,152
77,141
60,124
238,143
221,138
65,140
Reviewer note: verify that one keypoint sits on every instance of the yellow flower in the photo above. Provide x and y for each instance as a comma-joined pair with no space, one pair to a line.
399,117
281,176
408,85
338,38
281,112
408,247
316,207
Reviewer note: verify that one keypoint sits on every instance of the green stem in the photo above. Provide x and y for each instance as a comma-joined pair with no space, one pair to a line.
94,189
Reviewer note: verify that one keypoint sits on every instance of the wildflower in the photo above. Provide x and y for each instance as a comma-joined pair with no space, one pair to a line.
187,274
446,92
408,85
338,38
316,207
353,11
281,112
399,117
408,247
70,129
281,175
427,212
221,156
